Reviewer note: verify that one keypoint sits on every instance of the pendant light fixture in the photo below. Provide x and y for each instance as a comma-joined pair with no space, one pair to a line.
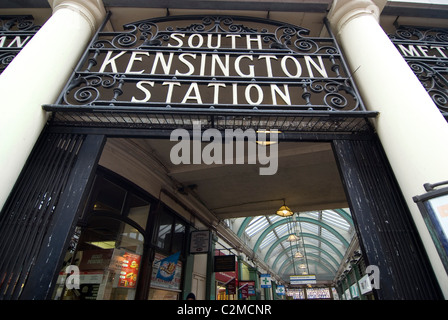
284,211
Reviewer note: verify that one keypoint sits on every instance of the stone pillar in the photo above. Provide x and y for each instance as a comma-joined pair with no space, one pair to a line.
412,130
36,76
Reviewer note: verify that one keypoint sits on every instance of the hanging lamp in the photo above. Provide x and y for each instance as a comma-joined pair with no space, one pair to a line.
284,211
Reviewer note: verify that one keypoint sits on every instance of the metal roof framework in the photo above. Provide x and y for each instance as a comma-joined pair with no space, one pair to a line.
324,237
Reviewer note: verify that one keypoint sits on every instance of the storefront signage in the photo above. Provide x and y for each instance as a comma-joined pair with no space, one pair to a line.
231,287
248,287
216,64
364,284
354,291
96,259
166,272
281,291
302,279
130,266
347,294
265,280
200,242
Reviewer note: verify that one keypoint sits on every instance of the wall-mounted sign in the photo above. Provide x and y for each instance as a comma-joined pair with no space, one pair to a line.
248,287
200,241
224,263
281,290
218,65
364,284
265,280
302,279
231,287
354,291
347,294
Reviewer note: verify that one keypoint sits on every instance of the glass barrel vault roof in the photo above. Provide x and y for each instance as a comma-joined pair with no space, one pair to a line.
324,237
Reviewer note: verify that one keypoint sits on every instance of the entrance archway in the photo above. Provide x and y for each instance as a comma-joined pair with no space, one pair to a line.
109,98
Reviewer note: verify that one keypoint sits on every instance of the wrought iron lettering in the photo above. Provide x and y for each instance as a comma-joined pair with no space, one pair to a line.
224,64
15,33
426,52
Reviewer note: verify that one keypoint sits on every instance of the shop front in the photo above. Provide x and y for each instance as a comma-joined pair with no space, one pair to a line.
111,248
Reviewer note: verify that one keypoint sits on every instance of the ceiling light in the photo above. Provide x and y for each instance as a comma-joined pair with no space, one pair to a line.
298,254
284,211
268,131
266,143
292,238
103,244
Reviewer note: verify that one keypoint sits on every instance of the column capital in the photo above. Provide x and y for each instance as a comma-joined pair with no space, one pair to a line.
343,11
91,10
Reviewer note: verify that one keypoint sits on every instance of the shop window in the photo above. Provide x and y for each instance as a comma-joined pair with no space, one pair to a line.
110,197
178,237
167,267
110,245
137,210
164,232
109,260
171,233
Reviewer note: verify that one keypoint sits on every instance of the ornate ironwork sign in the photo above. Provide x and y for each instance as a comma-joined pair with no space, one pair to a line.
426,52
15,32
224,71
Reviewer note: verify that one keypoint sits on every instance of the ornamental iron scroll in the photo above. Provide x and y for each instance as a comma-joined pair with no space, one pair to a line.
204,66
15,32
426,52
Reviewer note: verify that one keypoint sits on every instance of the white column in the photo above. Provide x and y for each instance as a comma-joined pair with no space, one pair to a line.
36,76
412,130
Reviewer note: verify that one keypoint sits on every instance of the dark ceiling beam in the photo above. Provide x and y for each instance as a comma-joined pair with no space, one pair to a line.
257,5
419,10
408,9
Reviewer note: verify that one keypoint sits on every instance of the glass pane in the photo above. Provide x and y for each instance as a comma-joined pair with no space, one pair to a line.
108,257
110,197
163,238
138,210
178,237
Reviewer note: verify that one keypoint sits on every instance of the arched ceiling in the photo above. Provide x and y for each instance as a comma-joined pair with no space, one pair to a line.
324,237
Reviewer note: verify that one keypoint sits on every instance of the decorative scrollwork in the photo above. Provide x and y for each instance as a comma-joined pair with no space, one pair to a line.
5,59
337,95
275,35
17,23
88,89
440,98
423,49
12,28
420,34
125,40
433,80
221,63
